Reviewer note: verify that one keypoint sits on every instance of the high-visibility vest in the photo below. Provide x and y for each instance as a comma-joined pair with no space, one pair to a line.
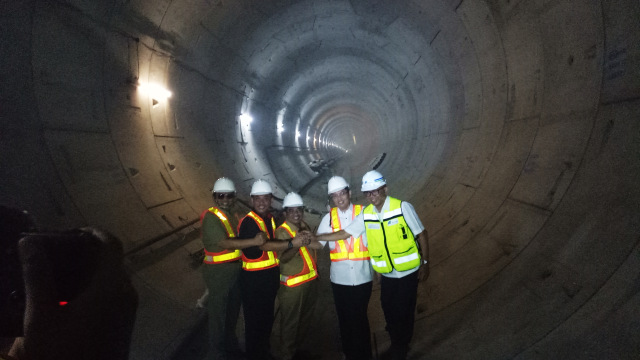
268,259
224,255
352,249
391,242
308,272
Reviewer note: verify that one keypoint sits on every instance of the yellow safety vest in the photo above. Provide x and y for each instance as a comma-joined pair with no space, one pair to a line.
354,248
225,255
308,272
268,259
391,242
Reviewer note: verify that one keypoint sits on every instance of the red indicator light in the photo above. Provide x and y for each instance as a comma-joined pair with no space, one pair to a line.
63,303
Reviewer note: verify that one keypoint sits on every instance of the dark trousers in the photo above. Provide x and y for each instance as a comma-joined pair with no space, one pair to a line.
351,306
398,298
259,289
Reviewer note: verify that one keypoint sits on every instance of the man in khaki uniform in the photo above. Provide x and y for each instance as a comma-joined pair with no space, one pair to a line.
298,274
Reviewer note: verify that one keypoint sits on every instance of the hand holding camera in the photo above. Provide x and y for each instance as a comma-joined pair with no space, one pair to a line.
80,303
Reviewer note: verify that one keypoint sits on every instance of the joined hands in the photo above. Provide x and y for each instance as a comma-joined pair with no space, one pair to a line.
303,238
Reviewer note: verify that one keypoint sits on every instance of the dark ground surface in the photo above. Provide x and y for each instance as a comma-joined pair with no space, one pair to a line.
324,344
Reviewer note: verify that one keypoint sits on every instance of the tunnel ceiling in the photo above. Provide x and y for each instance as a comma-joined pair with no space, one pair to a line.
511,126
340,82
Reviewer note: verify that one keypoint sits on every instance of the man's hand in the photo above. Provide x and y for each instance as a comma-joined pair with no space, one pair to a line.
260,239
312,237
308,237
376,277
423,273
303,238
97,324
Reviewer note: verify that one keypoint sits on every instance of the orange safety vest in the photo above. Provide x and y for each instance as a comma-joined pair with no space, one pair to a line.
268,259
225,255
352,249
308,272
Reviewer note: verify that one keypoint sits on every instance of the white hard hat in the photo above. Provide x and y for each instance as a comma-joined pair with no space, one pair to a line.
372,180
336,183
224,185
292,200
261,187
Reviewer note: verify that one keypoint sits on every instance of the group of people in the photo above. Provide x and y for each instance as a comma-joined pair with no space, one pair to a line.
251,261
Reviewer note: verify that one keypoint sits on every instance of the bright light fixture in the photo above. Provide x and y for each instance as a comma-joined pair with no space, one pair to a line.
246,118
155,91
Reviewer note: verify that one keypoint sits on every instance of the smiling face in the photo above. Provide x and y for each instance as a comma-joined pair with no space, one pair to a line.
294,215
377,197
341,198
261,203
224,200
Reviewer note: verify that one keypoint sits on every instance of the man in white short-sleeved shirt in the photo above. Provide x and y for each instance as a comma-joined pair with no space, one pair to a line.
398,248
351,273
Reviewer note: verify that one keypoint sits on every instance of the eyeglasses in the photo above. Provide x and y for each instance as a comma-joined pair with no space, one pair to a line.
221,196
372,192
340,193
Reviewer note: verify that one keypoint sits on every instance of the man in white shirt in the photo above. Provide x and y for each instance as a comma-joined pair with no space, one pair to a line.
398,248
351,274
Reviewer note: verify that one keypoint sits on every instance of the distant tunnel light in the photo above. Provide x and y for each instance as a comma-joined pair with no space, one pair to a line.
280,122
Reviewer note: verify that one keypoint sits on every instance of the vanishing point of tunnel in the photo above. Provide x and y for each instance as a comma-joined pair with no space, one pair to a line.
512,126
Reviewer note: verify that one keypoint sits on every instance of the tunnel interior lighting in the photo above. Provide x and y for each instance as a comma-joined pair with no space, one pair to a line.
246,119
280,121
155,91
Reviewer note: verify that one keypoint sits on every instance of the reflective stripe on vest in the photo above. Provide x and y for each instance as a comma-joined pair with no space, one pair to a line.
391,242
352,249
308,272
268,259
224,255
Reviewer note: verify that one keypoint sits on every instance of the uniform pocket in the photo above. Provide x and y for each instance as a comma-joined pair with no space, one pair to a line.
403,240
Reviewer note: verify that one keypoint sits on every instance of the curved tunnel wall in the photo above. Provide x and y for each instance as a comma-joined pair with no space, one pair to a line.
511,126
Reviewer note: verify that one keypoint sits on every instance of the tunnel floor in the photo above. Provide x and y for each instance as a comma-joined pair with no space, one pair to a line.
325,342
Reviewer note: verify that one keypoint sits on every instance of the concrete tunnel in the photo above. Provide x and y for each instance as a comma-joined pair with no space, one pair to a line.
511,126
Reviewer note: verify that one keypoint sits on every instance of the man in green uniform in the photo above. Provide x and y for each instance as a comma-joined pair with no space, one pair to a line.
298,272
222,266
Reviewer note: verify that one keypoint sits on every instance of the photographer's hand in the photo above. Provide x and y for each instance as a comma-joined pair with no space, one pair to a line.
96,325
